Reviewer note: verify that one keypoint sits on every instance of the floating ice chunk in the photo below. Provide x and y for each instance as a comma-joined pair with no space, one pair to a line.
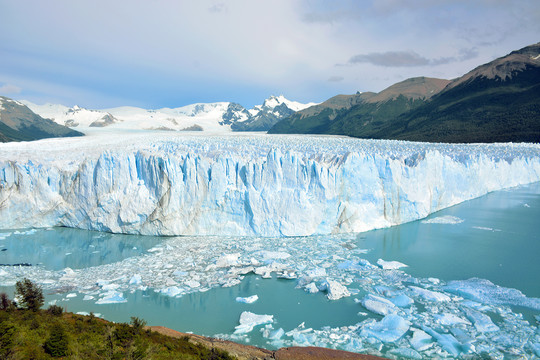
421,340
334,290
72,295
68,274
401,300
171,291
303,338
266,255
179,273
276,335
135,280
193,283
249,320
483,228
391,328
446,219
390,265
84,313
317,272
3,272
109,287
430,295
112,297
450,319
354,345
379,305
484,291
406,353
311,288
481,321
227,260
88,297
247,300
447,341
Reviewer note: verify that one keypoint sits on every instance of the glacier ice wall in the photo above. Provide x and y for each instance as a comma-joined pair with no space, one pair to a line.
246,185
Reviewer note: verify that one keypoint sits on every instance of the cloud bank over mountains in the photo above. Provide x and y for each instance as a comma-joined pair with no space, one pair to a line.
157,54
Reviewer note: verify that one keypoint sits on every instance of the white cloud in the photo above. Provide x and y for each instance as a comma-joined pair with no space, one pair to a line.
9,89
237,46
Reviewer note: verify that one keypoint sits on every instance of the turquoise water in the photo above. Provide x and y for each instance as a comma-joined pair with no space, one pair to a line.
498,240
495,237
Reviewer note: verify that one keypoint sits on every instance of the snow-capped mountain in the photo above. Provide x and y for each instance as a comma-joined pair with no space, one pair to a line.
212,117
19,123
263,117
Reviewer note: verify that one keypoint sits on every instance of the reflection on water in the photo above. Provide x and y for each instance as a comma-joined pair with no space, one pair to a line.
58,248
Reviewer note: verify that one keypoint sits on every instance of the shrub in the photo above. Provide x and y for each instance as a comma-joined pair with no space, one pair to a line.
55,310
56,344
30,294
5,302
7,339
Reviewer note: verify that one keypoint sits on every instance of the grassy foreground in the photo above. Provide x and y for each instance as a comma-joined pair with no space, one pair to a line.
46,334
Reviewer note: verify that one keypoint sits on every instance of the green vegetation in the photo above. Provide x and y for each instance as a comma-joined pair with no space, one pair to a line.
360,120
496,102
30,295
30,333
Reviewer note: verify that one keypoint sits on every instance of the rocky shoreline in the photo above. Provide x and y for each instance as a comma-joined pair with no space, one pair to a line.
248,352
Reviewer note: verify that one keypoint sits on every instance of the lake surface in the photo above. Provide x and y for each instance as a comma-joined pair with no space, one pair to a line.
191,283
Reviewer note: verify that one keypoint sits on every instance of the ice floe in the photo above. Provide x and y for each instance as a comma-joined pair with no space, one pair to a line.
249,320
447,219
247,300
390,265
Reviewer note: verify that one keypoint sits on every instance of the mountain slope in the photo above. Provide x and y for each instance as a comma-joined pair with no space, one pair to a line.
19,123
496,102
362,113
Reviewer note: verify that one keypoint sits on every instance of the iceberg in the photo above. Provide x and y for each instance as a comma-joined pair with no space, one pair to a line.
247,300
249,320
390,265
334,290
379,305
484,291
391,328
112,297
244,185
430,295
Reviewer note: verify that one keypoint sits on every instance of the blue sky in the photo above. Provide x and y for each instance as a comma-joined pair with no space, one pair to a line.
153,54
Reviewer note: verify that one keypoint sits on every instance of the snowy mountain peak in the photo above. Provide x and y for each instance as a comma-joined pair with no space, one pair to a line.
215,117
274,101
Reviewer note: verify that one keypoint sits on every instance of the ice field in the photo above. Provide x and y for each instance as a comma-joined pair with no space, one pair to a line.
261,185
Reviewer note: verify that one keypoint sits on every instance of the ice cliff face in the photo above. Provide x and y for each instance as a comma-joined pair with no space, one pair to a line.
246,185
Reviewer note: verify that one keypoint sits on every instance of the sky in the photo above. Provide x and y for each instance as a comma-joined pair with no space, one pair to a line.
153,54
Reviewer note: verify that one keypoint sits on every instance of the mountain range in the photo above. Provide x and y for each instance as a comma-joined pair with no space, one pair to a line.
213,117
495,102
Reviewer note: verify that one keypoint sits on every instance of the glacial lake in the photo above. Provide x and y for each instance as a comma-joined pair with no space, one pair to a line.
495,237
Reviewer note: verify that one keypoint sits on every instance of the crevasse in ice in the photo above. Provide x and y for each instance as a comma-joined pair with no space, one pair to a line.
246,185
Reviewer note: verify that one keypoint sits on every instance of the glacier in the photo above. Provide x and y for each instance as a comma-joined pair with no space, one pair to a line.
263,185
